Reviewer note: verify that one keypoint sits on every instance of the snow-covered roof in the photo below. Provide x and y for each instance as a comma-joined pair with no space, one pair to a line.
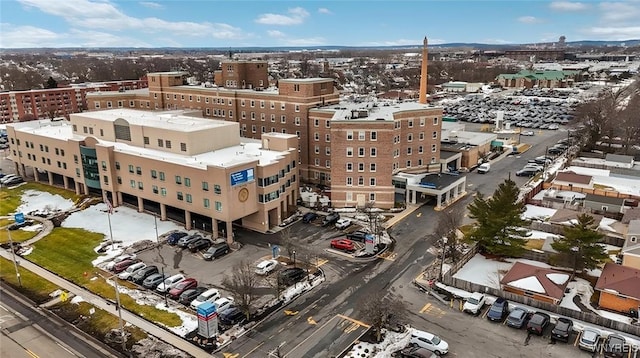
371,109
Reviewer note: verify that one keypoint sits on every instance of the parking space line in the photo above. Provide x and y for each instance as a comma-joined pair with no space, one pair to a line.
253,350
425,307
321,262
577,339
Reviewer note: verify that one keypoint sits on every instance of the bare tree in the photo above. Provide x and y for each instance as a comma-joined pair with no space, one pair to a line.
373,217
382,312
242,284
447,227
287,242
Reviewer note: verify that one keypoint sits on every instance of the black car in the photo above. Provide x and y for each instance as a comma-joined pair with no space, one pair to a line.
289,276
330,219
555,150
357,236
527,172
498,310
216,250
616,347
309,217
142,274
173,238
231,316
518,317
538,322
191,294
562,330
199,244
153,281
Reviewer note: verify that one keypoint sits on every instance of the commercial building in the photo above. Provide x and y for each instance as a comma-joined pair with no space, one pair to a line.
539,79
197,171
56,102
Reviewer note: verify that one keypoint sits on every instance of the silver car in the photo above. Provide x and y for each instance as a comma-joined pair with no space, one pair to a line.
589,339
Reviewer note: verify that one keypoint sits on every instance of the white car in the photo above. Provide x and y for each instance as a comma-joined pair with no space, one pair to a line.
265,267
474,303
169,283
223,303
343,223
7,178
111,264
528,133
209,295
126,274
429,341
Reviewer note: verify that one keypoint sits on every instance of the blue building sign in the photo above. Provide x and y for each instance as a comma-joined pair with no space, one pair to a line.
241,177
19,218
207,320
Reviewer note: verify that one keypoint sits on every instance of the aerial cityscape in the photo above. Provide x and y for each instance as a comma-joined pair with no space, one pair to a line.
319,179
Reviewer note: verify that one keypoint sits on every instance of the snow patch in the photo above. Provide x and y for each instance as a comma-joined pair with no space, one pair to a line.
558,278
39,202
533,212
77,299
530,283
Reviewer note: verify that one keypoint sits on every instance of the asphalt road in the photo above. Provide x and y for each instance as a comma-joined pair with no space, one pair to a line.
28,332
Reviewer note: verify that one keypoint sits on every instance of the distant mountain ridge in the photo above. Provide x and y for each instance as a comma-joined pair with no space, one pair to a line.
480,46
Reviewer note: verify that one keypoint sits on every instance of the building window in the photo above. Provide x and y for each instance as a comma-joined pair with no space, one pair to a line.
360,181
360,167
132,183
179,196
205,186
372,196
163,191
104,165
297,121
119,180
434,148
104,178
187,182
373,152
217,189
435,135
374,135
75,160
317,149
161,176
372,181
372,167
218,206
435,121
154,174
206,203
178,179
327,163
421,136
154,189
78,172
349,135
420,150
361,135
283,119
189,199
146,140
422,122
327,137
131,168
409,151
349,181
167,143
410,137
349,167
361,152
408,164
160,143
410,124
140,185
349,152
139,170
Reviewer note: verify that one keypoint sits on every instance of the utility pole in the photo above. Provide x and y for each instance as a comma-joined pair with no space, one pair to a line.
13,255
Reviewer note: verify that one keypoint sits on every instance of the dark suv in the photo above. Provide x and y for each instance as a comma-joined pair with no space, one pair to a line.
289,276
498,310
616,347
330,219
309,217
357,236
562,330
142,274
538,322
216,250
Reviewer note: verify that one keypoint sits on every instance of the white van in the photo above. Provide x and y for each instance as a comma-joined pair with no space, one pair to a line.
483,168
209,295
170,282
126,274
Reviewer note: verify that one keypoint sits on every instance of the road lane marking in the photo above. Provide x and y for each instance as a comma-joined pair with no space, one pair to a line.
352,327
353,320
311,321
31,353
425,308
321,262
251,351
309,336
290,313
418,215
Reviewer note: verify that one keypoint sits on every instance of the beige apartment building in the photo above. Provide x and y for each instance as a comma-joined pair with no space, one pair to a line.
193,170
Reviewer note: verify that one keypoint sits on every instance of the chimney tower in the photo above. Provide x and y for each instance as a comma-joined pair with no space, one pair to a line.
423,73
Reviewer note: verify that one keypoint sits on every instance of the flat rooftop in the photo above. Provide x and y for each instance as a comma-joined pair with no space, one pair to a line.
171,120
376,109
139,91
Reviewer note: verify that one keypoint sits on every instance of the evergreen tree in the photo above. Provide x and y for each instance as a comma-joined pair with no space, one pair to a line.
581,241
499,222
51,83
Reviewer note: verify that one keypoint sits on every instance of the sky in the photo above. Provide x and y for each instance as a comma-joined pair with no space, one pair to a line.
272,23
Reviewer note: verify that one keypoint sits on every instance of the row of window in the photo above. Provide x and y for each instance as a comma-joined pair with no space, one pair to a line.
132,104
372,181
43,148
273,179
361,166
165,143
349,196
396,139
263,117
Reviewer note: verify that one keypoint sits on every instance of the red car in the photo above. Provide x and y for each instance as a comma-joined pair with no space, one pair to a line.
182,286
342,244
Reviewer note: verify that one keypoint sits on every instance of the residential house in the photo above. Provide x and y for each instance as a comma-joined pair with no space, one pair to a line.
619,161
619,288
604,204
631,248
572,180
540,283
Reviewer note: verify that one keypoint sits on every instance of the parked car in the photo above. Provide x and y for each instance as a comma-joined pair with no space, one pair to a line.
223,303
309,217
484,168
518,318
265,267
117,259
216,250
153,281
528,133
289,276
141,275
187,297
182,286
122,265
534,166
414,351
526,172
330,219
13,181
173,238
589,339
498,310
616,346
232,316
474,303
357,236
199,244
186,240
538,322
555,150
343,244
562,330
342,224
130,270
209,295
7,178
429,341
169,282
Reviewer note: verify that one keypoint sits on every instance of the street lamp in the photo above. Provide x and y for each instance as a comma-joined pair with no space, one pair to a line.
294,258
119,309
444,250
575,250
13,254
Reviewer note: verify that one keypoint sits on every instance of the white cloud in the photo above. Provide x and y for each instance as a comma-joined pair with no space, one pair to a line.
295,16
568,6
399,42
311,41
30,36
151,5
27,36
614,33
529,20
496,41
618,11
275,33
324,10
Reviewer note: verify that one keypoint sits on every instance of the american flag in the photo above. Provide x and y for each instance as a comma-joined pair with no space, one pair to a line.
109,206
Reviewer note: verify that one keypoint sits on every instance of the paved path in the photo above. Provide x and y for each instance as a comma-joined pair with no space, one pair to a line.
100,302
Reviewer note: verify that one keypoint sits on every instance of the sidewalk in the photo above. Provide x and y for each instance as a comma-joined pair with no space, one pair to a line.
101,303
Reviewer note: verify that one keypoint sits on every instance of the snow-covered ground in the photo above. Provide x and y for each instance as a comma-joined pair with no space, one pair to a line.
34,201
392,342
602,177
487,272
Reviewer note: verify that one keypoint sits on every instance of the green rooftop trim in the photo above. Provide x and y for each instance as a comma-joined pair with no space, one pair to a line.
539,75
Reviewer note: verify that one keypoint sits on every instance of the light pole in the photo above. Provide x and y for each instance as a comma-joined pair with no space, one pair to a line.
13,254
155,221
294,258
119,309
444,250
575,250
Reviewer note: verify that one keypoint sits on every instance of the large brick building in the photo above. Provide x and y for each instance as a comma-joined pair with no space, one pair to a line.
56,102
197,171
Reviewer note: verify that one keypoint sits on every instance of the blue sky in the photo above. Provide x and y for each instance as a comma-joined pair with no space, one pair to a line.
186,23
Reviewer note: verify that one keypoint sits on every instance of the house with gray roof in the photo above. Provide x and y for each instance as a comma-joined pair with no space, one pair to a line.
619,161
631,249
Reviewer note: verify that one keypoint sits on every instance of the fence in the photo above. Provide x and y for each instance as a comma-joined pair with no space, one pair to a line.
601,192
589,317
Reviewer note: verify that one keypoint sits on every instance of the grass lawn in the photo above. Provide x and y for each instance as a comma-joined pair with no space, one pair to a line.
535,244
16,235
10,198
33,286
69,252
5,222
